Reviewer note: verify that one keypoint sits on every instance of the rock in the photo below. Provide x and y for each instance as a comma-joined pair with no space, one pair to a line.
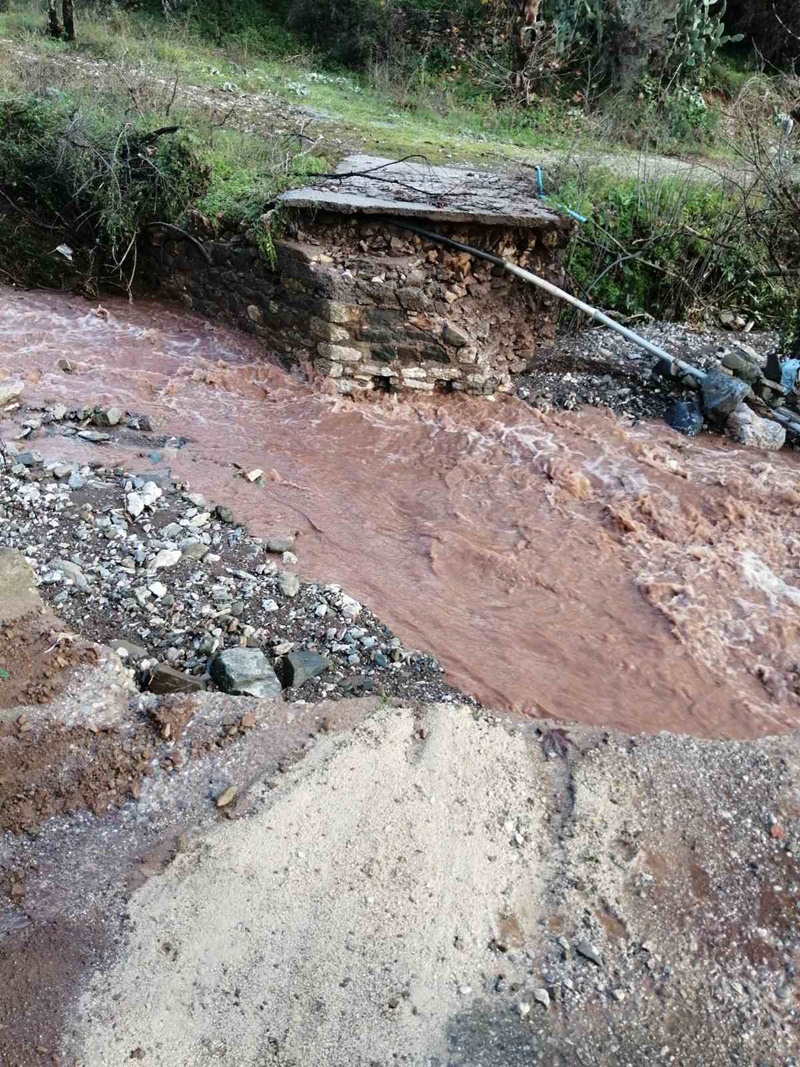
134,505
742,367
76,481
541,996
72,572
300,666
127,650
524,1009
194,549
167,557
18,595
722,394
279,544
158,589
747,428
245,671
108,417
10,390
226,797
686,417
289,583
94,436
164,679
589,952
254,475
452,335
224,514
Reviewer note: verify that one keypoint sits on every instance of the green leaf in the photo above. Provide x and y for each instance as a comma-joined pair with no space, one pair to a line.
3,674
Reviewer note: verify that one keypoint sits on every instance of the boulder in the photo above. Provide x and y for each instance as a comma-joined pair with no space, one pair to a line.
722,394
747,428
300,666
245,671
746,369
686,417
280,544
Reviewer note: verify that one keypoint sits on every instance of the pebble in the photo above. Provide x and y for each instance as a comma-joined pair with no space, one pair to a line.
589,952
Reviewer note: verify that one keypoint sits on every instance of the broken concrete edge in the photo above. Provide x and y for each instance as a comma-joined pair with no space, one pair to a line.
375,305
413,188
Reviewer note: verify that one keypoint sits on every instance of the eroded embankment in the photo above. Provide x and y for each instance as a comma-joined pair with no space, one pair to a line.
565,565
430,886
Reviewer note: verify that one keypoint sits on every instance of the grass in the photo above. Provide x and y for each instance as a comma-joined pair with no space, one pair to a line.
386,112
655,244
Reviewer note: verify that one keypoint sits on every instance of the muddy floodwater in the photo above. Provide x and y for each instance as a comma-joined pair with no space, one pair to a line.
564,565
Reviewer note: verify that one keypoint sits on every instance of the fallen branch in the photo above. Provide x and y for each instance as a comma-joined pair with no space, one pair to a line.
181,233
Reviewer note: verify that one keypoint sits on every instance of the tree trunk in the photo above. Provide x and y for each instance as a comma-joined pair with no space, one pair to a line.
54,27
68,11
523,41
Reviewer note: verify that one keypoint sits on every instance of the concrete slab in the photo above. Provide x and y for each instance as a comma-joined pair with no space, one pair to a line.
371,185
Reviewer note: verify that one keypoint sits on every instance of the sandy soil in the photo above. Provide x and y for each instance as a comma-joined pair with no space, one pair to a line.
440,887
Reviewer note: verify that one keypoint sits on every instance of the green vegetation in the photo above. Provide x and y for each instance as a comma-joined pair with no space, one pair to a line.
464,79
675,249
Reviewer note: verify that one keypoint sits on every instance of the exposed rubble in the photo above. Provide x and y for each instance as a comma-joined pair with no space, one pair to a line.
170,581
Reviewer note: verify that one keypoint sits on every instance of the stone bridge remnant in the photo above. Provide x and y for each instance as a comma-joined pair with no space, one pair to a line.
371,304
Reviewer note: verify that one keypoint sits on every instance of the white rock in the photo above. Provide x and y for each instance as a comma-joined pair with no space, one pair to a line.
10,390
158,589
542,997
747,428
134,505
167,557
151,493
254,475
524,1009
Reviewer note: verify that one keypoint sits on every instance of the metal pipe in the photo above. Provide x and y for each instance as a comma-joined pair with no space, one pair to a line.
782,415
560,294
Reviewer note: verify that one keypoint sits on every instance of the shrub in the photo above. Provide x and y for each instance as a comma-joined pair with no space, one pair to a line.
97,180
773,26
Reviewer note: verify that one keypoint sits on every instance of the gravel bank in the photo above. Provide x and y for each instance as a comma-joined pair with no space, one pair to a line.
599,368
171,580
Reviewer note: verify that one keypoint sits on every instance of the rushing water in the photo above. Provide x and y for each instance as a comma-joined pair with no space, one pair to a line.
561,565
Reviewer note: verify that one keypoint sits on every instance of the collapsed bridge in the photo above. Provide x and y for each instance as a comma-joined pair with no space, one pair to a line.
374,305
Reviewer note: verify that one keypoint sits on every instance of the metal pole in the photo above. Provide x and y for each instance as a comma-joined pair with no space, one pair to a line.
782,415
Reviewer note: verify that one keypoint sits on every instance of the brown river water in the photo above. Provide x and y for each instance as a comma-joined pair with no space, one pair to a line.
562,565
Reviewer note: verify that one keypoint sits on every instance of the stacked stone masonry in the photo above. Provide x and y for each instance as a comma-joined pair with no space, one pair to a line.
372,305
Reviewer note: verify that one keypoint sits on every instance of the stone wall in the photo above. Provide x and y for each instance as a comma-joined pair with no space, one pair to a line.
375,306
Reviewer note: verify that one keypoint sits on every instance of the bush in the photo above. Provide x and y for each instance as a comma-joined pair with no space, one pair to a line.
675,249
97,181
773,26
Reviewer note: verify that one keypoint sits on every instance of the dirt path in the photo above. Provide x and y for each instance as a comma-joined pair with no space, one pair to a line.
328,133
